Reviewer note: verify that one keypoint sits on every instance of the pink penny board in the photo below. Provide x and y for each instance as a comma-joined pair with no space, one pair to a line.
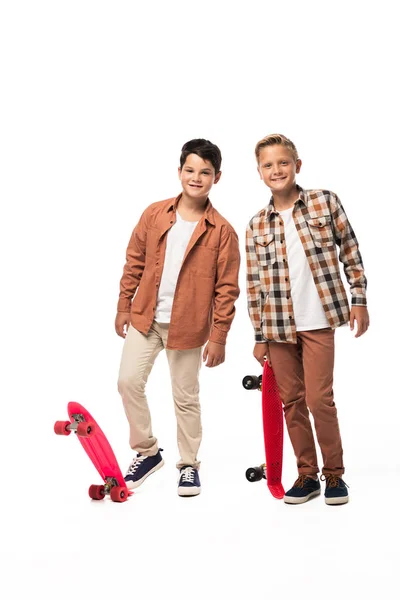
98,449
273,431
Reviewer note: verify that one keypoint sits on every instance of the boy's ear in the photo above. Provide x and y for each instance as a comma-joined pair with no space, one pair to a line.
218,177
298,165
179,172
259,172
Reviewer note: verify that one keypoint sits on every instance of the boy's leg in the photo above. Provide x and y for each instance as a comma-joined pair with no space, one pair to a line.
138,356
318,361
287,364
184,368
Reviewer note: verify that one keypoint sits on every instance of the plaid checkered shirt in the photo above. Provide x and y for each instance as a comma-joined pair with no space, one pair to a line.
321,224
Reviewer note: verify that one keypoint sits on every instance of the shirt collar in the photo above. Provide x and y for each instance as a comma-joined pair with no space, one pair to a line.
302,198
208,211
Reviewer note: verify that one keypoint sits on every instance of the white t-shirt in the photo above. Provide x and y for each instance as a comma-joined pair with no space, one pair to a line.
178,238
307,306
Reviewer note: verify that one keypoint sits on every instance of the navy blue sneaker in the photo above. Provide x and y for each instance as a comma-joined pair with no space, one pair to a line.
335,490
141,467
189,482
303,489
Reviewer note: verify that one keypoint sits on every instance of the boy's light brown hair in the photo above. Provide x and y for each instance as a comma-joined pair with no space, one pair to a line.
276,138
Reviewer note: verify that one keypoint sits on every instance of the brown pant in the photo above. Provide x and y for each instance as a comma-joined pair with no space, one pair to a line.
304,374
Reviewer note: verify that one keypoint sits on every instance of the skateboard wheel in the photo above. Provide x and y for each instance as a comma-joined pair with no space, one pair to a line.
85,429
251,382
119,494
254,474
60,427
97,492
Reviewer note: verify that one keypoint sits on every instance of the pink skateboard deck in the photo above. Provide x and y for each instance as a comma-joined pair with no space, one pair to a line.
98,449
273,431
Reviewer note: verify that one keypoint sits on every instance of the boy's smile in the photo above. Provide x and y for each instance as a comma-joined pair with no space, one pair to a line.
197,177
278,168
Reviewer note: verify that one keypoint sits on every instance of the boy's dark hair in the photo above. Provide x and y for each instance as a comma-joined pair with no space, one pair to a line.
205,149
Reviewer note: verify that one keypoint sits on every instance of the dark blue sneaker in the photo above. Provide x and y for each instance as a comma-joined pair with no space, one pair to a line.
141,467
303,489
335,490
189,482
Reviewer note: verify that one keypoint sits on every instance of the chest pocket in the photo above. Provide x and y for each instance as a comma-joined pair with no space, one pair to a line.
321,231
265,248
203,260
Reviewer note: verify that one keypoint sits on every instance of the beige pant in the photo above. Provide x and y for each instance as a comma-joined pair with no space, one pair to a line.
138,356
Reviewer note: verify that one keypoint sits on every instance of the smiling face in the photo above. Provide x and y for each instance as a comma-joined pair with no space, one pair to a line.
278,168
197,177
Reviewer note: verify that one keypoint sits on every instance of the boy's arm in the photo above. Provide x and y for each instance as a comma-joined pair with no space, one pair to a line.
349,253
226,285
254,293
134,265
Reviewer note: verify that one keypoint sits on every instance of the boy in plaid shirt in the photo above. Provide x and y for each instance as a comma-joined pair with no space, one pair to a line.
296,299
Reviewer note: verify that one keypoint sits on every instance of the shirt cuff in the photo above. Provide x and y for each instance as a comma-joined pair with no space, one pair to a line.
124,305
358,301
259,338
218,336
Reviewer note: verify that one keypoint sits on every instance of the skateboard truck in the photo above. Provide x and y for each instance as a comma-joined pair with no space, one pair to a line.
256,473
110,488
79,426
252,382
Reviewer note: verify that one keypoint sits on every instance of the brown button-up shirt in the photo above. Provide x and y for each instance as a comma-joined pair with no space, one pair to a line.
207,286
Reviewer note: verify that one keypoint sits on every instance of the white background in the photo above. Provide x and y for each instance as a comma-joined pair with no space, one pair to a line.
97,99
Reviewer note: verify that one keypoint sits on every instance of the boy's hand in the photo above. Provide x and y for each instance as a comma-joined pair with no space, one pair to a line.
215,353
359,314
260,353
122,320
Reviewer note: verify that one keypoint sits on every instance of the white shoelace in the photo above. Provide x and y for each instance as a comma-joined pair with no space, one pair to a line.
187,475
137,461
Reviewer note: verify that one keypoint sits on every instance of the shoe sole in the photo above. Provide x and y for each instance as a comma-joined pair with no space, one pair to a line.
294,500
336,501
132,485
195,491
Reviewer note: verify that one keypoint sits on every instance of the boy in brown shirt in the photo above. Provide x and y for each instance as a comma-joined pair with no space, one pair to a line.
177,292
